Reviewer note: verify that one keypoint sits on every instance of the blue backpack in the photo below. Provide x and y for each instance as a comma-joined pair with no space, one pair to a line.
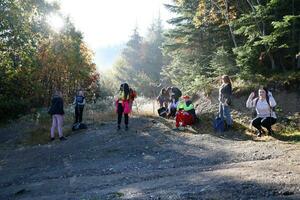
219,124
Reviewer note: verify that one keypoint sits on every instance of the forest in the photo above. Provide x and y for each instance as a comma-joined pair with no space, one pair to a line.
253,41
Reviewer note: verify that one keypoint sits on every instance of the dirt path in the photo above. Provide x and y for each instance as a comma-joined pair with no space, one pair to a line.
151,161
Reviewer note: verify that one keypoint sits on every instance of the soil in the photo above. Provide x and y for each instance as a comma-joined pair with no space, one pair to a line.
150,161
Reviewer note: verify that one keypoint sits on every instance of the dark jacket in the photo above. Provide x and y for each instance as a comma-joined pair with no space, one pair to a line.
57,106
225,93
176,92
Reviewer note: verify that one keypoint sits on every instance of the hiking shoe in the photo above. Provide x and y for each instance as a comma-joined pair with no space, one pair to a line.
119,127
52,139
270,132
126,128
176,129
62,138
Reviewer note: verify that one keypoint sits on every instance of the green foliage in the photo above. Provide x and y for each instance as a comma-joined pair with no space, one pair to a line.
34,60
241,38
223,63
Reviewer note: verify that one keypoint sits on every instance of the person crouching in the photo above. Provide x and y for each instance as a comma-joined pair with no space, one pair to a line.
185,113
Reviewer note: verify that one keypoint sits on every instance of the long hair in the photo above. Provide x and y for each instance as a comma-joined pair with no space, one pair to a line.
266,91
163,91
227,80
126,90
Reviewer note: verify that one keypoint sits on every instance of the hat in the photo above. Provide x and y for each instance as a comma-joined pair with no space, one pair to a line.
186,97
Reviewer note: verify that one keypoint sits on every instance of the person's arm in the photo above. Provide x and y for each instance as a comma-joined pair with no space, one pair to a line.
74,102
250,101
83,102
227,95
271,100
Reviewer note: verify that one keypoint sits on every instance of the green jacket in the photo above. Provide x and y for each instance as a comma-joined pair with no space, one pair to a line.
182,105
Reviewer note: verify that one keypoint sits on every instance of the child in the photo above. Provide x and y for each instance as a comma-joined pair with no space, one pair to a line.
185,113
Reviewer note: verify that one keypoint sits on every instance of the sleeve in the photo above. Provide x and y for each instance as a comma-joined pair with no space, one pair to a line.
272,101
251,103
190,107
83,103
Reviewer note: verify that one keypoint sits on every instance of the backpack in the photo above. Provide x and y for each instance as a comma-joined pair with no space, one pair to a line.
132,94
162,112
219,124
78,126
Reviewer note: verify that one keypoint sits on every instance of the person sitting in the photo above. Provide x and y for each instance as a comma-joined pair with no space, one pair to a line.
163,98
186,114
263,104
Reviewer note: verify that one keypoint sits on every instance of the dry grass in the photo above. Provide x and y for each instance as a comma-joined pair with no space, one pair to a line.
94,115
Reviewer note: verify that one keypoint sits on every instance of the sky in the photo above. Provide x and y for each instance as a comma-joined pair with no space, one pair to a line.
107,24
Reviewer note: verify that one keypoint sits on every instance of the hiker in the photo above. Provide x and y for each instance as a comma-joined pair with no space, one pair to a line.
173,107
186,114
263,105
123,105
163,98
57,112
79,102
225,92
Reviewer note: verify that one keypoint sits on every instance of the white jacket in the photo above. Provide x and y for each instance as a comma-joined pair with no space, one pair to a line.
262,107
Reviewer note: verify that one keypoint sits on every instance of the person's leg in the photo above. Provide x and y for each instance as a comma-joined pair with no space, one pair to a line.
268,122
173,112
221,111
60,121
188,119
76,114
179,118
53,127
126,121
257,124
80,114
227,114
120,113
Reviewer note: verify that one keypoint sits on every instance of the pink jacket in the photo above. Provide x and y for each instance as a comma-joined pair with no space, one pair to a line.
126,106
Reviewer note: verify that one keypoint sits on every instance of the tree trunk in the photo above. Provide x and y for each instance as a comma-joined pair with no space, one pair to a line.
230,27
272,61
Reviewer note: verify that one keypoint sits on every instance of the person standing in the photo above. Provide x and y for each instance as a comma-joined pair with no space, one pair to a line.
263,104
225,92
123,105
79,102
57,112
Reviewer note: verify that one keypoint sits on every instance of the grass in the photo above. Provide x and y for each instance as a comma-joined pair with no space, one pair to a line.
94,116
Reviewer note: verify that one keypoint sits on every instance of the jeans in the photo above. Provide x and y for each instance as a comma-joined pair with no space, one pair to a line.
224,112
